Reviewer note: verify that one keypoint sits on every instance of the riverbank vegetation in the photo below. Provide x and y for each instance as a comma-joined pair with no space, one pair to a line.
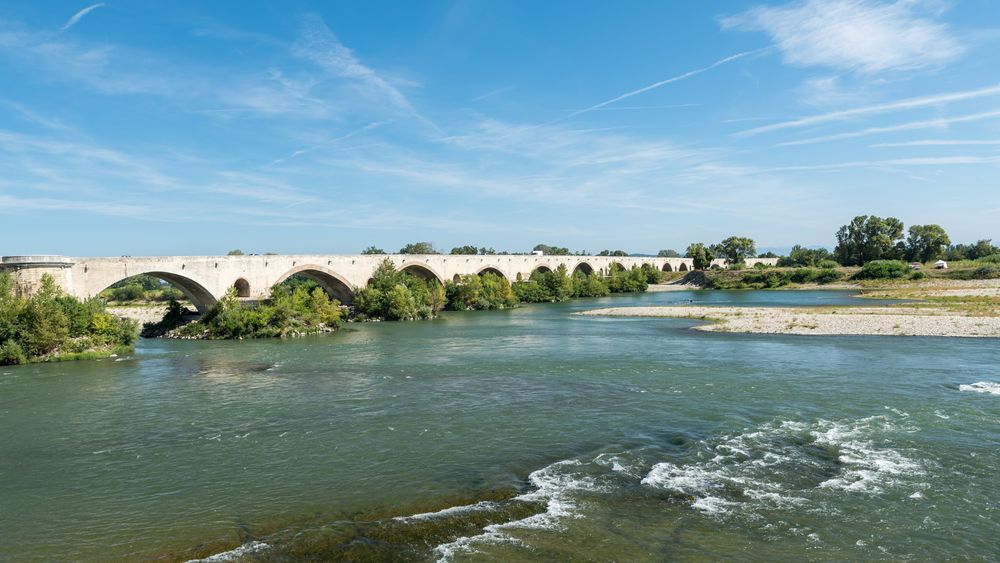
51,326
287,312
398,296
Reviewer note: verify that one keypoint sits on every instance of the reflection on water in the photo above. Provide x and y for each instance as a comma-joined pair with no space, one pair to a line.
524,434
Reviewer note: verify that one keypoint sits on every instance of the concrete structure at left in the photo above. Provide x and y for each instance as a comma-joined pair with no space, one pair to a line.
205,279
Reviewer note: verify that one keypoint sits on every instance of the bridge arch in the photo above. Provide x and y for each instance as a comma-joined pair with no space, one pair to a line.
542,269
422,271
492,270
583,267
201,298
333,283
621,267
242,287
683,268
667,267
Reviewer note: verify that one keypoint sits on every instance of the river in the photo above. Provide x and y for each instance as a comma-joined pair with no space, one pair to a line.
528,434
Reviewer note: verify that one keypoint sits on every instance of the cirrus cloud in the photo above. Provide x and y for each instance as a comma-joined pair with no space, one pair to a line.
854,35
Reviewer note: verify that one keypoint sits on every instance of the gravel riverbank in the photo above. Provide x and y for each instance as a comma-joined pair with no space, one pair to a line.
882,321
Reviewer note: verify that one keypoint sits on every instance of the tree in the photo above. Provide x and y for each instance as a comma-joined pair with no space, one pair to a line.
802,256
467,249
926,242
735,249
612,253
552,250
373,250
668,254
867,238
418,248
701,254
235,252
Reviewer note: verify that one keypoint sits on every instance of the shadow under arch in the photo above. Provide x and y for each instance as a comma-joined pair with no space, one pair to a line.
201,298
542,269
667,267
422,271
332,283
242,287
683,268
621,267
491,270
583,267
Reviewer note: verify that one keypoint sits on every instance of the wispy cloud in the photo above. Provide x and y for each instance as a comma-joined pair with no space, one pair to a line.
634,108
662,83
492,93
927,161
36,118
939,143
330,142
319,45
911,126
854,35
79,15
899,105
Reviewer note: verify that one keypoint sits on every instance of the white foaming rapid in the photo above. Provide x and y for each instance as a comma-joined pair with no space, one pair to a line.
764,468
233,554
554,485
990,387
451,511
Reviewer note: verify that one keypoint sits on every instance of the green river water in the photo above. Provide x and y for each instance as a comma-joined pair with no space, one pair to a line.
528,434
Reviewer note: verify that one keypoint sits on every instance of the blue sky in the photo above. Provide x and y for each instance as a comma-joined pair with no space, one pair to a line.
146,127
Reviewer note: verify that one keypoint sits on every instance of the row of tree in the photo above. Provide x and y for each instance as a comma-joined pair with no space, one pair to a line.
869,237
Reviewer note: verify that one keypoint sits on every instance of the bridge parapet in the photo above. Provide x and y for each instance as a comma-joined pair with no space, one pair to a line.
27,271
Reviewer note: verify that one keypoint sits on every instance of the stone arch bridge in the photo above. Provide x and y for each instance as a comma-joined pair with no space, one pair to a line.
205,279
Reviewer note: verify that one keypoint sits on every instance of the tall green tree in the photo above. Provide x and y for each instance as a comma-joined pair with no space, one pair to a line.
867,238
669,253
735,249
552,250
373,250
418,248
926,242
701,254
467,249
235,252
802,256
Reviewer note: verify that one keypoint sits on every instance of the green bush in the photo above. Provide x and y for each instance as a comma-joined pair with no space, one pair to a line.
627,281
480,292
918,275
988,272
802,275
398,296
882,270
590,285
991,259
827,264
11,353
828,275
531,292
286,312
